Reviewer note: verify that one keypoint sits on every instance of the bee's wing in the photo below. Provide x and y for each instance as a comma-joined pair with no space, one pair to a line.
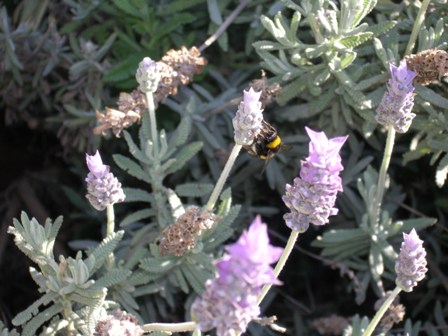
285,148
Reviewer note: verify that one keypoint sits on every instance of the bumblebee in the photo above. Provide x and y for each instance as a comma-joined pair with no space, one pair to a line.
267,143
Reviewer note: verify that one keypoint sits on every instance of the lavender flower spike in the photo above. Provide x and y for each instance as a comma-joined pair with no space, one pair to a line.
148,75
229,301
103,188
411,262
312,196
247,122
396,105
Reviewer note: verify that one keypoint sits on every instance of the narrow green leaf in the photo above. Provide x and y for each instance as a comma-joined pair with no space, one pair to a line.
111,278
134,150
31,327
131,167
137,216
184,155
214,12
176,6
137,195
194,189
159,265
107,246
432,97
291,90
355,40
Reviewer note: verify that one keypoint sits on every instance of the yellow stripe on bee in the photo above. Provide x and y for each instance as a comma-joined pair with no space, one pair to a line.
274,143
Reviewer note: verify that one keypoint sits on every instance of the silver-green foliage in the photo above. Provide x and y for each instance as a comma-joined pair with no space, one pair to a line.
73,290
332,65
156,278
5,332
371,242
323,74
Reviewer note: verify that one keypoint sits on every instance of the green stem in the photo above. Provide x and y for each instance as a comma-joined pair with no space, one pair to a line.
379,314
68,313
110,228
170,327
153,122
417,25
222,179
374,214
281,262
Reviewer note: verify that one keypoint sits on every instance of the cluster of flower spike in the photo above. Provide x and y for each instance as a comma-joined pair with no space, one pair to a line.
103,188
229,301
312,196
162,78
396,105
411,263
248,119
180,237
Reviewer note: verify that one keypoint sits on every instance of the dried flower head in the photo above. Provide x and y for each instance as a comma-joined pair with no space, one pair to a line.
103,188
269,92
115,120
148,75
135,101
312,197
180,237
411,262
331,325
248,119
398,100
229,301
430,65
118,324
177,67
394,314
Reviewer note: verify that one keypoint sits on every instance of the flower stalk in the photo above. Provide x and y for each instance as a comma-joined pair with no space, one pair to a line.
416,28
110,227
170,327
281,263
390,141
153,122
379,314
223,177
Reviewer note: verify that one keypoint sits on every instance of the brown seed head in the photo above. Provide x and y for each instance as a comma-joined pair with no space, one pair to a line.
430,65
180,237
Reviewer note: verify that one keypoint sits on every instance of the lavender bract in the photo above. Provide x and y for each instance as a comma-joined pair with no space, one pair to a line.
148,75
229,301
247,122
396,105
312,196
103,188
411,262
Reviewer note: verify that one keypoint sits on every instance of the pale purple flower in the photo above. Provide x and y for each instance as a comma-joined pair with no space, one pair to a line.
411,262
148,75
312,196
248,118
229,301
396,105
103,188
95,165
118,324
